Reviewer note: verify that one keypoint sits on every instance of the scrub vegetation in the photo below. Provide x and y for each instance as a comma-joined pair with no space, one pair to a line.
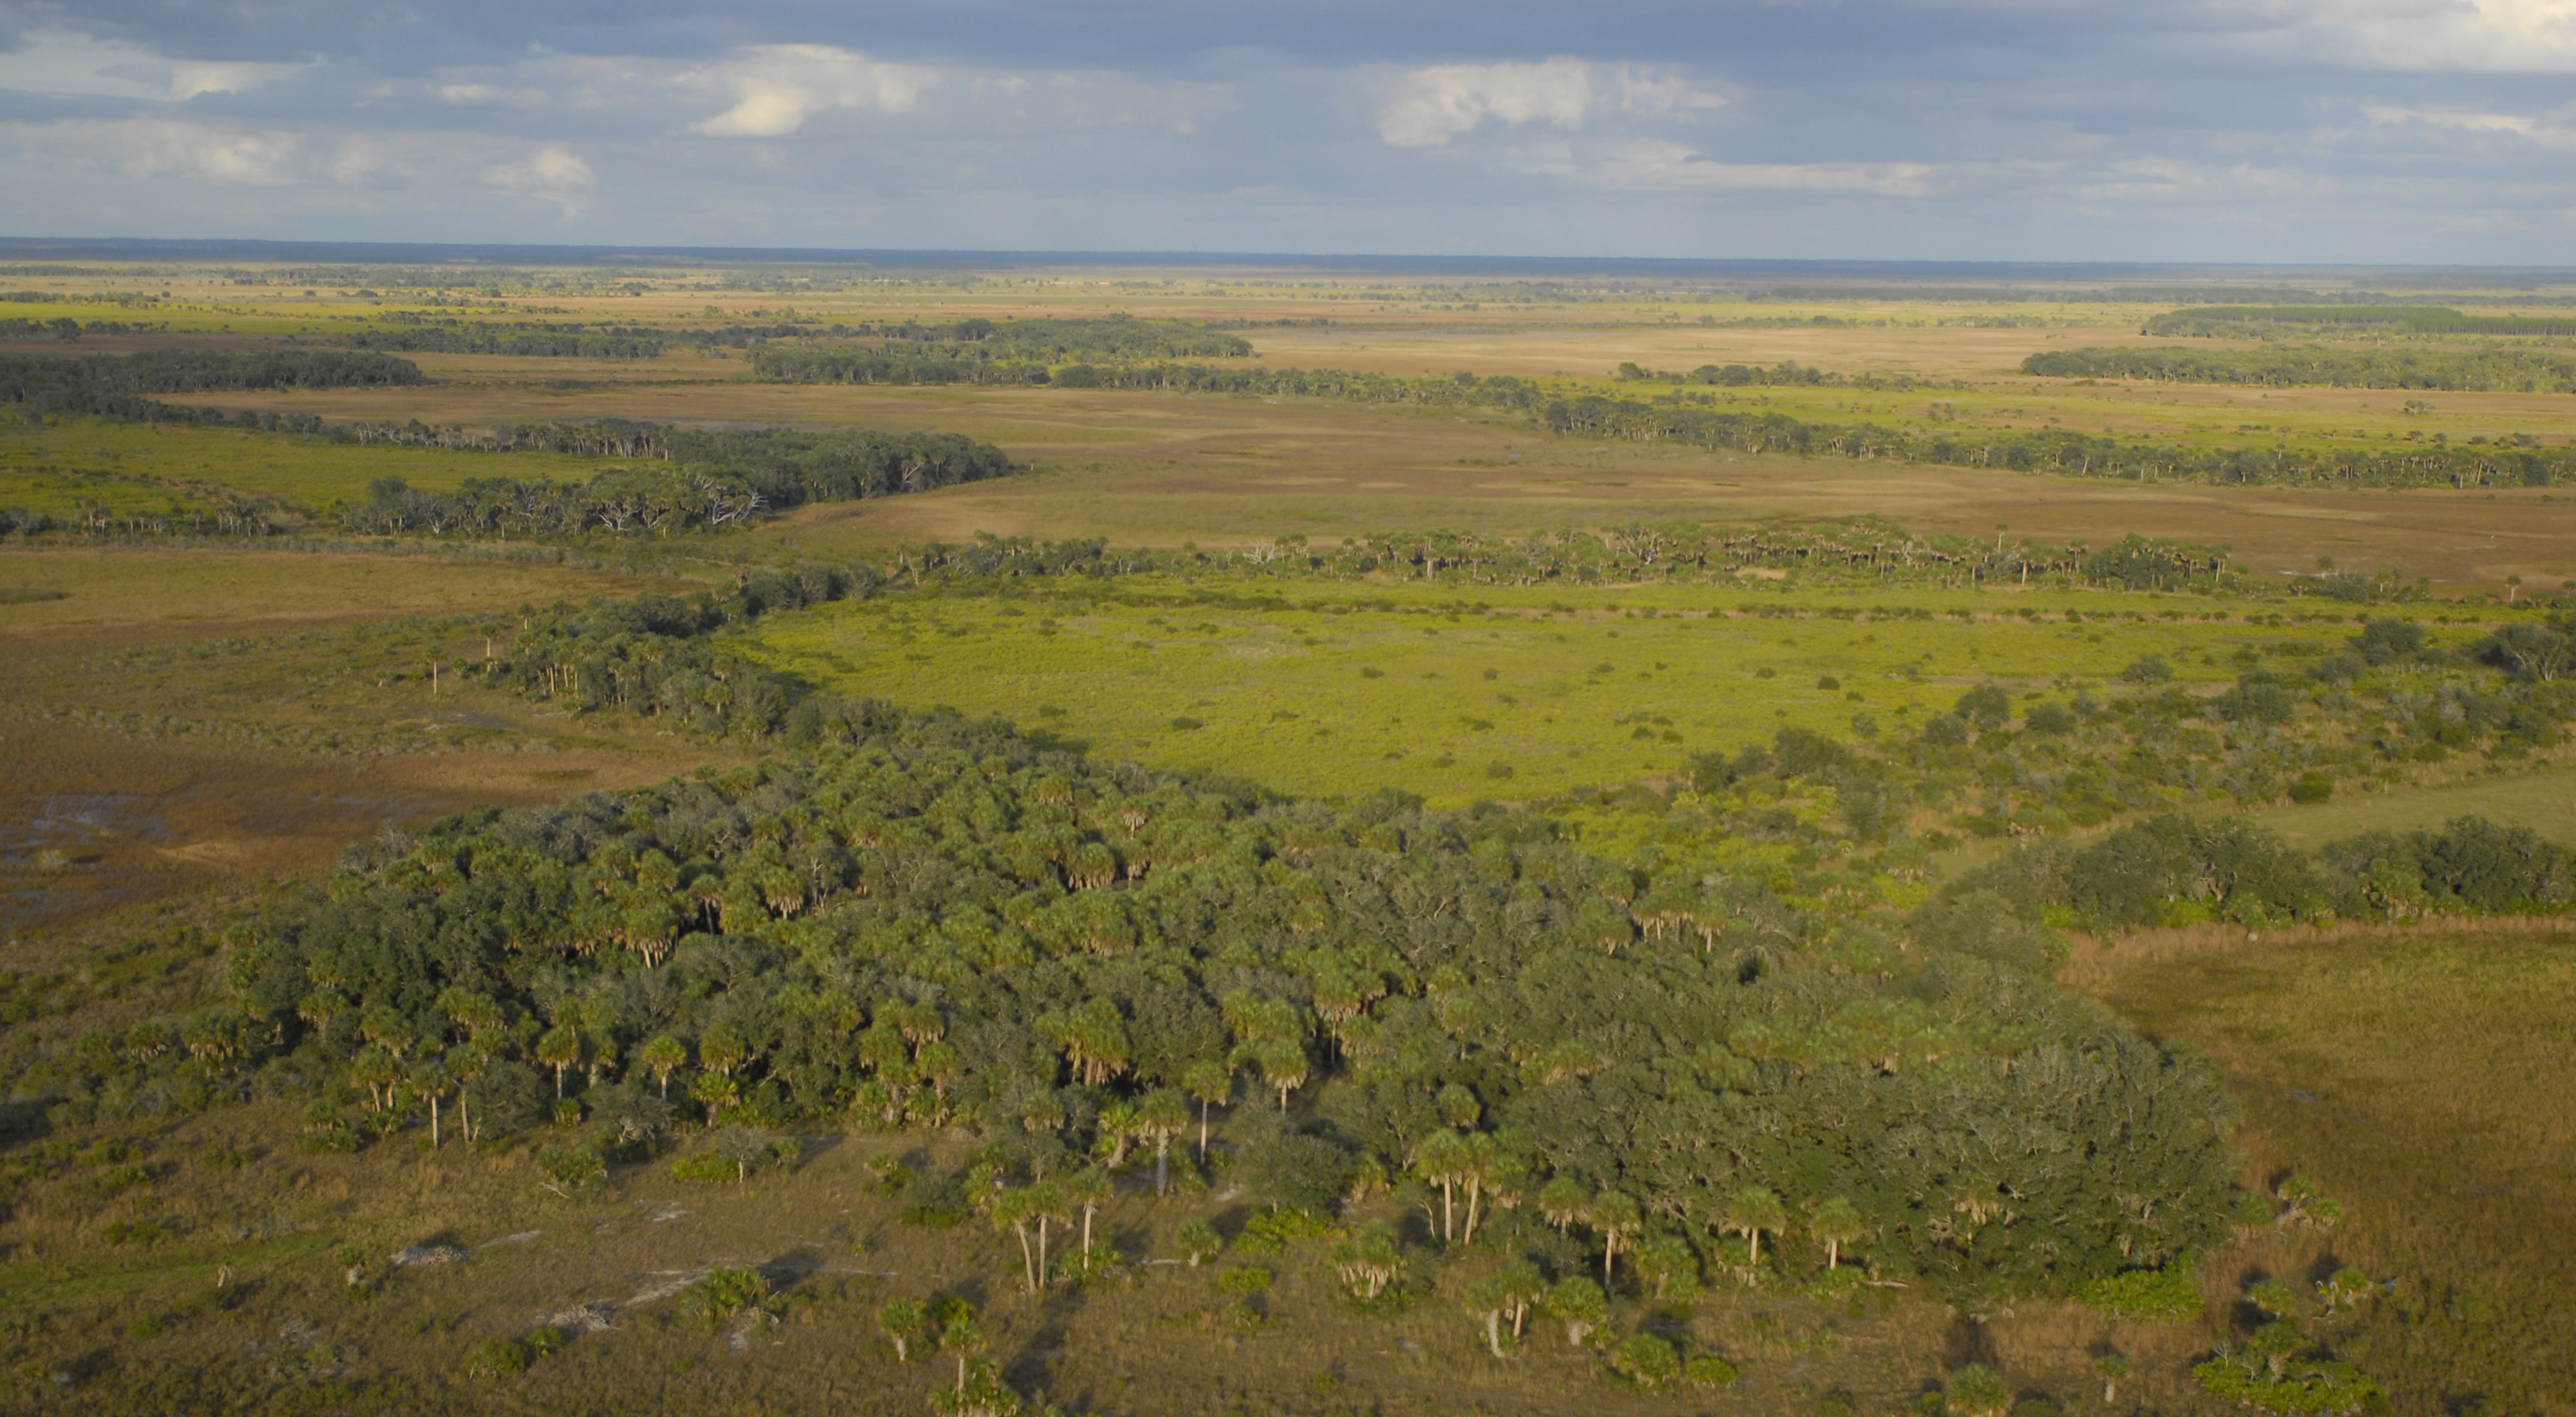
598,838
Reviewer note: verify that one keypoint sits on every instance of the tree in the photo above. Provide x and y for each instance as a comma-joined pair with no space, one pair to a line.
1090,1189
1562,1202
664,1055
2111,1367
1487,1299
1522,1285
1837,1222
1615,1218
1284,1066
960,1334
1212,1083
1579,1304
430,1078
1014,1210
465,1063
1162,1116
1199,1242
1978,1391
903,1321
559,1049
722,1049
1369,1261
1048,1204
1752,1211
1440,1159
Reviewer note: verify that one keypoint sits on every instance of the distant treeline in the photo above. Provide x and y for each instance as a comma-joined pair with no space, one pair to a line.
2507,370
697,479
2278,321
121,386
525,340
988,351
68,329
2051,450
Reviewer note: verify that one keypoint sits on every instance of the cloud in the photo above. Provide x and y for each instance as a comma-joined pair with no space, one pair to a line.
2536,130
777,87
1678,167
154,148
2487,36
1435,104
68,62
553,173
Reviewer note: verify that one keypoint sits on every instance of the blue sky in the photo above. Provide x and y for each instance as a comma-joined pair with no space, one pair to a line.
2435,131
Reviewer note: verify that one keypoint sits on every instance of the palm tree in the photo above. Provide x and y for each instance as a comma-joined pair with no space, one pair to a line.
1562,1201
1523,1285
1212,1083
1486,1300
1837,1223
903,1321
1752,1211
559,1049
1011,1210
1163,1115
1439,1160
665,1055
1614,1218
1090,1188
431,1079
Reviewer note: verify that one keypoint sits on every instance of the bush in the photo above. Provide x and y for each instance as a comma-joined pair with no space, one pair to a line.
2148,669
499,1356
1269,1232
2311,788
1709,1370
1646,1359
1245,1279
723,1293
1985,706
2167,1295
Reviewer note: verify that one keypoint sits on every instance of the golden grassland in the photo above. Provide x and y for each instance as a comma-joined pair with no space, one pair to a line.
2423,1077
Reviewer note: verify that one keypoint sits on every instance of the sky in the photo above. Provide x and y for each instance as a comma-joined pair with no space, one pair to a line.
2265,131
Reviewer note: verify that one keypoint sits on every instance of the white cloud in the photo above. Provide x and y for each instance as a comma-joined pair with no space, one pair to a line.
1678,167
2490,36
1433,105
2514,124
1430,106
777,87
552,173
153,147
68,62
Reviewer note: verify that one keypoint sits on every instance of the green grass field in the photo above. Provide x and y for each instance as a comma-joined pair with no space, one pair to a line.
1339,690
309,472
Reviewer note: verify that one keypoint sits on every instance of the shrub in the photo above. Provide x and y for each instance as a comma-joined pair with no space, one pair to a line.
2167,1295
1198,1242
2051,719
2312,787
1708,1370
1245,1279
1985,706
1646,1359
722,1293
495,1357
1978,1391
2148,669
1269,1232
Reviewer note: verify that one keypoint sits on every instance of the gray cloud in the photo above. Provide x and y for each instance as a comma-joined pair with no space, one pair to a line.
2363,130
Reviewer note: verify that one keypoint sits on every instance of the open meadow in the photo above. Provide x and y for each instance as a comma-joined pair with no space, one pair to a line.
550,861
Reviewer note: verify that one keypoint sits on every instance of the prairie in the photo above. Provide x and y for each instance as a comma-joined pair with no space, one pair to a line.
2422,1077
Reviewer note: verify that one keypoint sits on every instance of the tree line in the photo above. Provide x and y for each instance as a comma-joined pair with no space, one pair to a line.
2307,321
2522,370
2063,451
122,386
696,479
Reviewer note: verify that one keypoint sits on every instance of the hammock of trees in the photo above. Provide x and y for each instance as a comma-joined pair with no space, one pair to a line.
938,923
527,340
120,386
986,351
2516,370
2065,452
696,480
2309,321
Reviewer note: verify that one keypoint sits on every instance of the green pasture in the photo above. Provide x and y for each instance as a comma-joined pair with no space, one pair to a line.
303,469
2542,801
1500,693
